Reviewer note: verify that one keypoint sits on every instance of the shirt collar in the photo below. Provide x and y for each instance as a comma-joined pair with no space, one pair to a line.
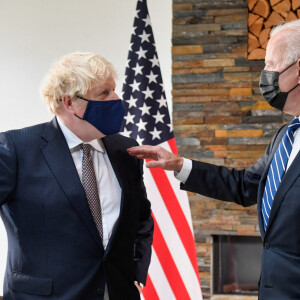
74,141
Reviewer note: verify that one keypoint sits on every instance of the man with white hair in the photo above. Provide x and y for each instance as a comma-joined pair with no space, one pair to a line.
273,183
72,200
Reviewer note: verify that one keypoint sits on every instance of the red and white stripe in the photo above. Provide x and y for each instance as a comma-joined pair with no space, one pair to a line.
173,272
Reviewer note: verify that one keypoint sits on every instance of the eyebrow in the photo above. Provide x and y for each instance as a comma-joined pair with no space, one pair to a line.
103,90
270,63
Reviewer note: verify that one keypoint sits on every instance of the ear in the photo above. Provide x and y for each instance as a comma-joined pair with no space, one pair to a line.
68,104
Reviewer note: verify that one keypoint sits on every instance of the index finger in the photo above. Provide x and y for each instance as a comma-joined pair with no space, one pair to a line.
145,150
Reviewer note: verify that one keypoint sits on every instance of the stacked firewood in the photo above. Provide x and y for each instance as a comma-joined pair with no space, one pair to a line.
263,15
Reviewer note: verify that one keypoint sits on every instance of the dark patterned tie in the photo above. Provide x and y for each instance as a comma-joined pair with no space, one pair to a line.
89,183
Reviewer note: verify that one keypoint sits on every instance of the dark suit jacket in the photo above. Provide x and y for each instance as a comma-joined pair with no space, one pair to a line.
280,274
54,248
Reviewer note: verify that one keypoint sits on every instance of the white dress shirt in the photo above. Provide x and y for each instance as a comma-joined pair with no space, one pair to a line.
187,163
296,147
108,185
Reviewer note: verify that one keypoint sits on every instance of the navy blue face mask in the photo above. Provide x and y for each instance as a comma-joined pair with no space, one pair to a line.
106,116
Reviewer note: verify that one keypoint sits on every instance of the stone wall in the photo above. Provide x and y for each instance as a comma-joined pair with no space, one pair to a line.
219,115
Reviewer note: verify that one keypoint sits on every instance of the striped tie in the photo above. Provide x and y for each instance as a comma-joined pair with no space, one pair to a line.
278,168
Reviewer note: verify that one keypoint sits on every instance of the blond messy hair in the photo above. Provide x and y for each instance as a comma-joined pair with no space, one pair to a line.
74,74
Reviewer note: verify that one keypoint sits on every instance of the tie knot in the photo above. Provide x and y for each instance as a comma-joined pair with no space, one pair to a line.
294,125
86,149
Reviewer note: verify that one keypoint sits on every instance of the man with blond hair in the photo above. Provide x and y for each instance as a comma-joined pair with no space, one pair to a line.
72,200
273,183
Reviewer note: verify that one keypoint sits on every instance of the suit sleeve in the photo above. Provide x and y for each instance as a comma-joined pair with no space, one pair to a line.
144,237
8,168
232,185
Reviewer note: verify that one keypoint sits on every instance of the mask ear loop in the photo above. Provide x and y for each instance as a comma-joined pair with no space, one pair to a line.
288,67
286,70
81,99
78,117
293,88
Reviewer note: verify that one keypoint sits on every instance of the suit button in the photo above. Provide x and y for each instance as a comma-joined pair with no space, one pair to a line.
100,292
267,245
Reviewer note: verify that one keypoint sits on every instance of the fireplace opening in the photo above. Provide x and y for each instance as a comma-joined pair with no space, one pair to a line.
236,264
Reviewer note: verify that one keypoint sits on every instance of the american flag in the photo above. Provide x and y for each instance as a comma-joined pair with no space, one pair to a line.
173,272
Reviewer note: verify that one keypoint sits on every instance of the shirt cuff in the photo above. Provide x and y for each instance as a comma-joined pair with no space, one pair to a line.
185,171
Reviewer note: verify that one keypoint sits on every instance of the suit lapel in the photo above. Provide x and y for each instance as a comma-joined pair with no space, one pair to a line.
59,159
284,186
261,190
115,156
118,162
286,183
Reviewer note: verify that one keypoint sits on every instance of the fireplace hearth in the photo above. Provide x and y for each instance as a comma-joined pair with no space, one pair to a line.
236,264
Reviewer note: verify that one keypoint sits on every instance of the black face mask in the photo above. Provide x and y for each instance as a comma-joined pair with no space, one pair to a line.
269,88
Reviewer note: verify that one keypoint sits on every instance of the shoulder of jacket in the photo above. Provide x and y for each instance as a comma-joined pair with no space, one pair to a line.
25,134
